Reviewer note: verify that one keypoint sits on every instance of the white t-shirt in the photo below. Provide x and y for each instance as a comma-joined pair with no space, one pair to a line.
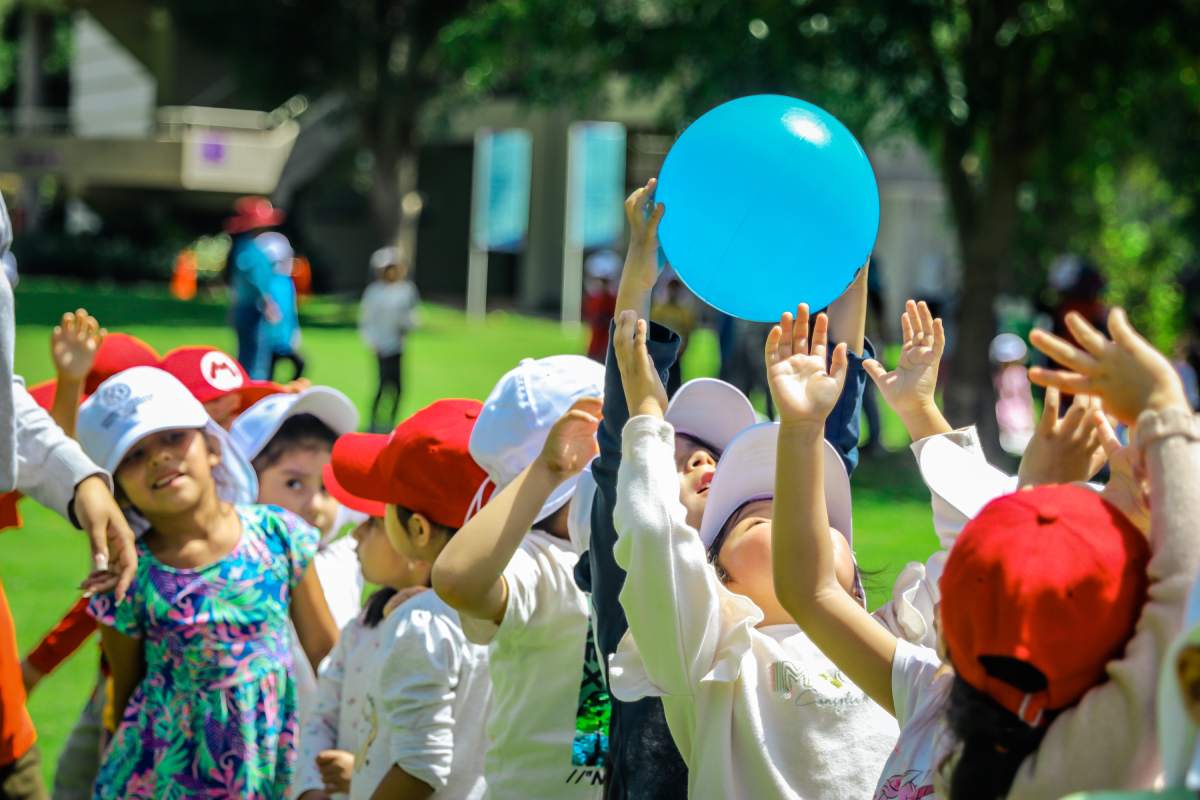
413,692
387,313
919,693
537,653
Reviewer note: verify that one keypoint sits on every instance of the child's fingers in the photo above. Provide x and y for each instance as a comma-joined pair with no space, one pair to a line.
1063,352
939,338
820,336
787,339
906,328
771,349
926,318
875,370
800,339
1049,412
592,406
1088,337
1069,382
839,364
1075,415
1108,436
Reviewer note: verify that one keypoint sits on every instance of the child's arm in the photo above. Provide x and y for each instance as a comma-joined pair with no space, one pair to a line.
73,345
848,314
803,553
314,624
848,323
469,573
59,644
399,785
909,388
320,729
641,262
127,663
1109,736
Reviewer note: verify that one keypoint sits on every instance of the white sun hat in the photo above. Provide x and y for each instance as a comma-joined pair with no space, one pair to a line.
710,411
141,401
256,426
746,472
962,480
518,414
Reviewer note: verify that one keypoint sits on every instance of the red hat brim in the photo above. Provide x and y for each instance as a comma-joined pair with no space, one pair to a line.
357,466
372,508
249,222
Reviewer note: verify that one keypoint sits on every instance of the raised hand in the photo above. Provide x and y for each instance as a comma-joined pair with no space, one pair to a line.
641,261
1127,488
644,391
911,385
803,388
1068,449
74,344
571,444
1126,372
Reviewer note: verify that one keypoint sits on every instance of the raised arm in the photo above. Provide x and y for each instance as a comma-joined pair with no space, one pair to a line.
806,581
73,346
127,665
641,262
909,388
848,314
469,573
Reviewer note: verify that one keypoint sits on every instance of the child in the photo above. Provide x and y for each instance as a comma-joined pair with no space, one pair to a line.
509,574
1014,398
408,693
1040,597
387,314
282,334
706,415
199,647
218,381
731,667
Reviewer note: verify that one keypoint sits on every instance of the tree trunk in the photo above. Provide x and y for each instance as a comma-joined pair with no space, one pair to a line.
392,141
986,245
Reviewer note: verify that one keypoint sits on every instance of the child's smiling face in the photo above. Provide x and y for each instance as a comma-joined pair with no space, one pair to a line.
696,464
168,472
294,482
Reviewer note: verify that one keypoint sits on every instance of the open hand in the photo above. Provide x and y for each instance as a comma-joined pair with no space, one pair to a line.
336,767
644,391
911,385
74,344
803,388
641,261
114,554
1126,372
571,444
1068,449
1127,487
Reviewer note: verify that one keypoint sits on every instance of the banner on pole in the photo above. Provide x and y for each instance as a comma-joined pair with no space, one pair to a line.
500,195
597,184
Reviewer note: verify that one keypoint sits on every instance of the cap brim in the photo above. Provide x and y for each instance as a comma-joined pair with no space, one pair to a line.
183,419
356,466
746,472
252,391
372,508
711,411
962,479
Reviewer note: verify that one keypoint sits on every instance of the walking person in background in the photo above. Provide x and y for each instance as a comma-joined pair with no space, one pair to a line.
387,314
281,336
250,271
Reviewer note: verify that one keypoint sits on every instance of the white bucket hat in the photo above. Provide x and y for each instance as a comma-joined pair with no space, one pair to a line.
710,411
140,401
256,426
962,480
518,414
746,472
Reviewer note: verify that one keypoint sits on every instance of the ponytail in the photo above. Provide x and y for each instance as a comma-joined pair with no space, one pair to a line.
376,604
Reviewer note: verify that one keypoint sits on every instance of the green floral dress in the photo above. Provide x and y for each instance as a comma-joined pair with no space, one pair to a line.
215,716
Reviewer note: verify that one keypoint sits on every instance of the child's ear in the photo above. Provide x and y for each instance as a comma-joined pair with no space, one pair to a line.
420,530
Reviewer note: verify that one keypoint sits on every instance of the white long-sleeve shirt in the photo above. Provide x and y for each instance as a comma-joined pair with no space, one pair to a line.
411,691
756,712
387,313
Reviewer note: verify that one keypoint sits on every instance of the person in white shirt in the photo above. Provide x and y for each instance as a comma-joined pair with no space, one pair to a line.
509,572
387,314
1055,611
755,708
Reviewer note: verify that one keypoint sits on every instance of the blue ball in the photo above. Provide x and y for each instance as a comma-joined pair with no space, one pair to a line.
770,202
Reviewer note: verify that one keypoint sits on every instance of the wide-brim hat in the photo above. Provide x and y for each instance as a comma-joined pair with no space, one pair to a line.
251,213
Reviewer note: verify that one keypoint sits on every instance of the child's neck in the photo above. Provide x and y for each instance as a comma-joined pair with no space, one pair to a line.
196,536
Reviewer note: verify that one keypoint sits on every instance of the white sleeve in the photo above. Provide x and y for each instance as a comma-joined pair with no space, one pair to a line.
320,729
672,597
528,588
50,464
341,579
913,671
417,691
368,316
1108,740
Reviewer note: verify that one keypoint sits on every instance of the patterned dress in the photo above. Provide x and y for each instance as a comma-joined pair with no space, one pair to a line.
215,715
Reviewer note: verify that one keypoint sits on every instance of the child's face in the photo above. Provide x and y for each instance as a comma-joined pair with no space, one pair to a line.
1187,668
381,564
294,482
696,465
224,410
168,472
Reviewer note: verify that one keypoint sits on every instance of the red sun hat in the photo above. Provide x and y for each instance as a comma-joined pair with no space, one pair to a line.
250,213
210,374
1054,577
423,466
372,508
118,352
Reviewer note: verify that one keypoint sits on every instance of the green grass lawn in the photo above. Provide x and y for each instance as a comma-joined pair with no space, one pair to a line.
448,357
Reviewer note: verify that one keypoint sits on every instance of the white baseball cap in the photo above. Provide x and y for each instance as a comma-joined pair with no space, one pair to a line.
961,479
140,401
1007,347
277,248
518,414
385,257
746,472
256,426
710,411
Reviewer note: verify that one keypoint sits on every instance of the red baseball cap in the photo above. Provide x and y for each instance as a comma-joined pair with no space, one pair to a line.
210,374
423,466
372,508
119,352
1054,577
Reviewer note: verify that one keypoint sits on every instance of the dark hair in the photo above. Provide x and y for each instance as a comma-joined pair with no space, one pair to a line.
301,432
404,515
992,741
376,604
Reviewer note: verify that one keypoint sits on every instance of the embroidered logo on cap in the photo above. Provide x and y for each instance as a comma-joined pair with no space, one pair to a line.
120,402
220,371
